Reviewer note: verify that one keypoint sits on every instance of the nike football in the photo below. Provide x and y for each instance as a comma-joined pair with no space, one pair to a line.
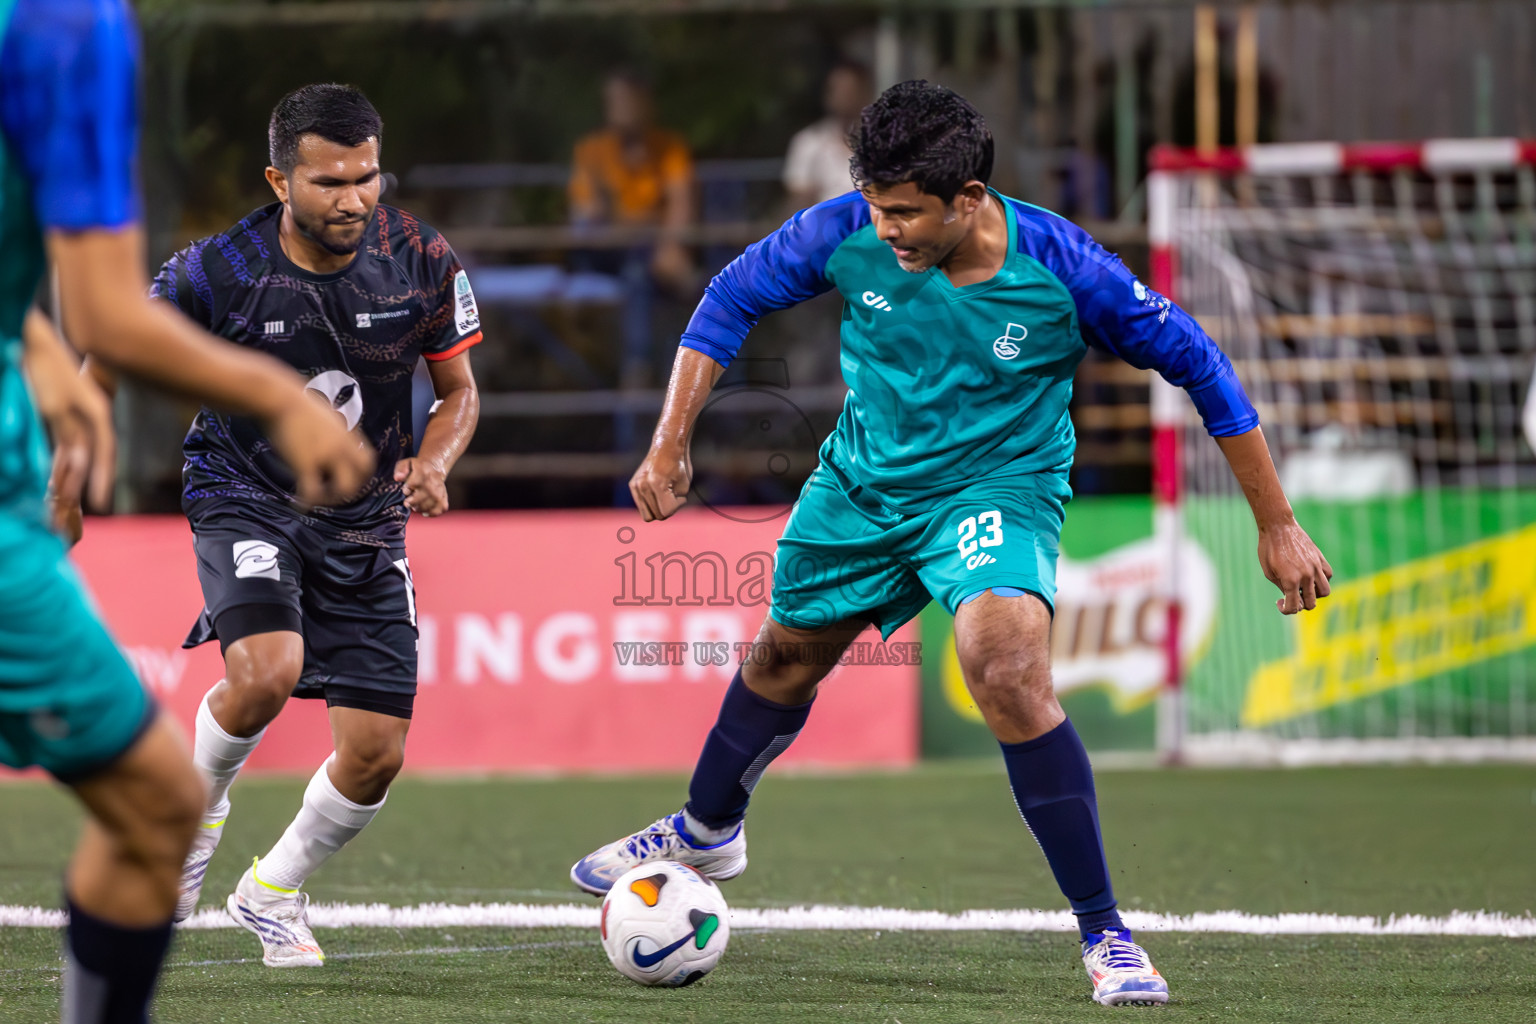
664,924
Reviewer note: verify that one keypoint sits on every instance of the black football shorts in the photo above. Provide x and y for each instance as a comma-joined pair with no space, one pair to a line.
263,569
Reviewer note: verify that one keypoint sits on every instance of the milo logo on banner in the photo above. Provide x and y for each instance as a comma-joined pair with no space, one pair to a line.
1107,639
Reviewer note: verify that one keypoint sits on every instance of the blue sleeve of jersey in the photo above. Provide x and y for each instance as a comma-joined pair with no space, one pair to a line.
1121,315
68,96
787,267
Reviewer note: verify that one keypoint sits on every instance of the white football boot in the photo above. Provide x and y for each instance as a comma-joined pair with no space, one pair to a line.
1121,972
279,918
667,839
192,872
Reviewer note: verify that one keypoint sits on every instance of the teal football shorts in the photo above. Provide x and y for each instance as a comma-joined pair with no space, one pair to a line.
844,556
69,701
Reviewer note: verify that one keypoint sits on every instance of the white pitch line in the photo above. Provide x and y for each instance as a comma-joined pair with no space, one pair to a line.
830,918
366,955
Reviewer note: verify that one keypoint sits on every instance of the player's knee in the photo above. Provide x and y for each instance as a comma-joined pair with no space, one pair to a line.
369,767
1006,676
261,682
158,836
783,682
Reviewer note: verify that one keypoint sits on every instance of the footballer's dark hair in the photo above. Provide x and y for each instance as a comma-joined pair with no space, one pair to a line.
922,133
337,113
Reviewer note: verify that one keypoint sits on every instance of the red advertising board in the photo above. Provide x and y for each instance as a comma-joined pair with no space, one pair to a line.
566,641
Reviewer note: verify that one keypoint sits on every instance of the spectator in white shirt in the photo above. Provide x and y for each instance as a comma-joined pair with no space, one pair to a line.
816,168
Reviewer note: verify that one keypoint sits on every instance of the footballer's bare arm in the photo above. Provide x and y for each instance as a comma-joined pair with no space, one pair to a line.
1287,555
79,419
424,477
660,486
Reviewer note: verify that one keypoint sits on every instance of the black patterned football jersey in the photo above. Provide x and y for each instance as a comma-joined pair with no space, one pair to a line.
356,334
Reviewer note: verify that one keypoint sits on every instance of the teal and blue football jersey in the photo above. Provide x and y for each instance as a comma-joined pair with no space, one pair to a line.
950,385
67,137
69,701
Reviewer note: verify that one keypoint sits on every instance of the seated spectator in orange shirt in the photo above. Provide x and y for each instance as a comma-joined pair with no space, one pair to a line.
633,172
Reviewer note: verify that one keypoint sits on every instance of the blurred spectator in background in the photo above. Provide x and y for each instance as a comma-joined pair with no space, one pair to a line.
816,168
631,172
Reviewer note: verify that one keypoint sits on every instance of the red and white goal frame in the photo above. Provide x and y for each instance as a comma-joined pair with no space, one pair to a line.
1172,168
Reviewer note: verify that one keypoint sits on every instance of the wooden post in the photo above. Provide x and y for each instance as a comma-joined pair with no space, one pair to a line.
1207,82
1247,61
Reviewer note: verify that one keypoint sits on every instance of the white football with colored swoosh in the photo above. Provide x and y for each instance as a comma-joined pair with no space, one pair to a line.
664,924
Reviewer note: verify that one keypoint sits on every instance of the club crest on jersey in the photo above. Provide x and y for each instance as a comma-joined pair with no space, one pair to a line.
876,301
1007,345
342,392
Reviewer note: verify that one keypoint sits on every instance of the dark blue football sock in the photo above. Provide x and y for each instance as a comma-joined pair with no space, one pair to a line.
1053,787
750,732
110,971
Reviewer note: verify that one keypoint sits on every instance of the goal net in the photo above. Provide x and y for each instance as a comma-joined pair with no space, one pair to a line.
1379,305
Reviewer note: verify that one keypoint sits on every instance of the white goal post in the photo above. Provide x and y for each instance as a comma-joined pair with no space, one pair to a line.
1379,304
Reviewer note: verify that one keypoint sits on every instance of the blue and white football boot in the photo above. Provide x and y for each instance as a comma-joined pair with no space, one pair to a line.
279,918
667,839
195,868
1121,972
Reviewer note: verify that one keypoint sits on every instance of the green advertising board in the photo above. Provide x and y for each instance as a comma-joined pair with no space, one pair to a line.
1430,631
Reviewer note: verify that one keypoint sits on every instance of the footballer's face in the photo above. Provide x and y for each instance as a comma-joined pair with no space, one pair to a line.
331,192
922,229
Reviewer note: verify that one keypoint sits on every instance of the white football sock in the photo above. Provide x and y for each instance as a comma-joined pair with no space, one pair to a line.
325,824
704,834
219,756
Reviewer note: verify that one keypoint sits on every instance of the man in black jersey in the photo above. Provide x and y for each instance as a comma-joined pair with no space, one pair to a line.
318,602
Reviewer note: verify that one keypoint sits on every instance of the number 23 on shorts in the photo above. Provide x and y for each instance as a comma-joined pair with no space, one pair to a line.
990,526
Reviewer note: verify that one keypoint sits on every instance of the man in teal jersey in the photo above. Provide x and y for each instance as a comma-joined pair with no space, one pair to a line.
965,314
965,317
69,702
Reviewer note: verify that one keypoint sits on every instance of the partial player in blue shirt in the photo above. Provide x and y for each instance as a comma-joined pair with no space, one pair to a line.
965,315
69,702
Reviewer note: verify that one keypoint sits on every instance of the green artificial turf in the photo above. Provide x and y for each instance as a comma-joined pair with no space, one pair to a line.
1371,841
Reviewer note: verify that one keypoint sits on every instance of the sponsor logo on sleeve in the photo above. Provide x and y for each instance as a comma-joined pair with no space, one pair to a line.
466,315
1148,297
256,559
